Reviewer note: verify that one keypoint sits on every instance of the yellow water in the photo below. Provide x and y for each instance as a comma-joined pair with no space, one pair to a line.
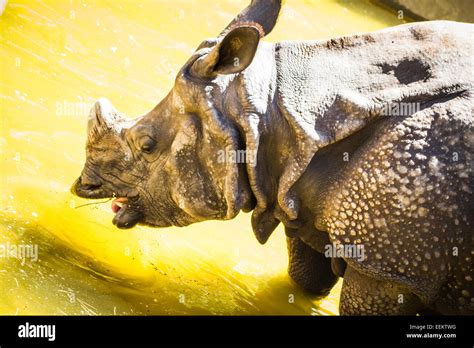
56,58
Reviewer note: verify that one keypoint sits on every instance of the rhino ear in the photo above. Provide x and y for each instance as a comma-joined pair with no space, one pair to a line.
262,13
231,55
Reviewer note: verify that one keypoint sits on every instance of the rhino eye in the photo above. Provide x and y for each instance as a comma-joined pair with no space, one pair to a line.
147,144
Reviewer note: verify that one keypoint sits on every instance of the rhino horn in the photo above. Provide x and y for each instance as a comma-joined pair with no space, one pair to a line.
262,14
103,117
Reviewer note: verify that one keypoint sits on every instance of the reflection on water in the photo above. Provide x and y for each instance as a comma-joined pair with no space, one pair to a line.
57,58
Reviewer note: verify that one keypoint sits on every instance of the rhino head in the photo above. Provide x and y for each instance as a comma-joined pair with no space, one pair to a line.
174,165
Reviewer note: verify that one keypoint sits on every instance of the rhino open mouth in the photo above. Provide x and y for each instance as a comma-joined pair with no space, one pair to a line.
127,214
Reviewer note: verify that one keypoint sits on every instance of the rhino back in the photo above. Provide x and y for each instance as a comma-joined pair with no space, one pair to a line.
361,73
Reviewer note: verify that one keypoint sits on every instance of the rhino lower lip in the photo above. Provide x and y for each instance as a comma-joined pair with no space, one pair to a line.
126,216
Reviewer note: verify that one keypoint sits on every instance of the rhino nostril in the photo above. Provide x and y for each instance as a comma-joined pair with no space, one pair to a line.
85,189
89,185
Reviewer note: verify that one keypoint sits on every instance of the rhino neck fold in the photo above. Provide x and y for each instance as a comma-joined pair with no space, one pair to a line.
251,101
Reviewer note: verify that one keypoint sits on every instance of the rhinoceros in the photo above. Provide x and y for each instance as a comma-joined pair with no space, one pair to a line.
361,146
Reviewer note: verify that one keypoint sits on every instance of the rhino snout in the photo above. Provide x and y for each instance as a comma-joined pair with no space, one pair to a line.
86,189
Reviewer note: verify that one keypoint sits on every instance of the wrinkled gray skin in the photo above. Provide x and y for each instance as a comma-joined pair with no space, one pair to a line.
331,165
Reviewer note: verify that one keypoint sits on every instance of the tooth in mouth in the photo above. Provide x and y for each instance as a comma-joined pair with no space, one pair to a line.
118,203
126,216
